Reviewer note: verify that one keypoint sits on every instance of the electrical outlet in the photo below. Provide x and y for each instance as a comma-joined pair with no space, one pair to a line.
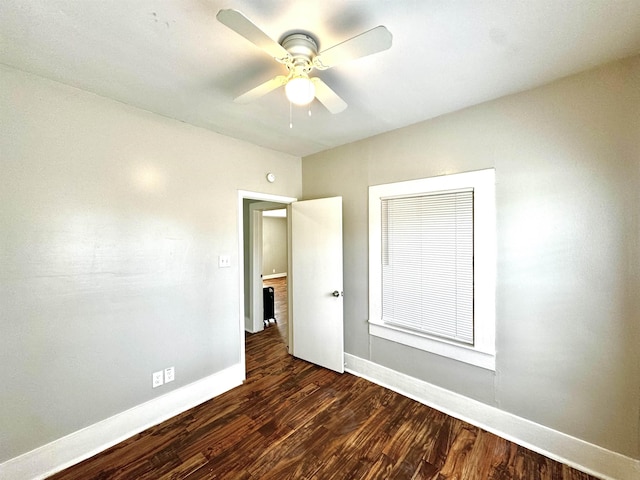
158,378
169,374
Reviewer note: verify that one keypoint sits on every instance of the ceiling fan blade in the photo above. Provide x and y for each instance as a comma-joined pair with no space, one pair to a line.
240,24
261,90
328,97
372,41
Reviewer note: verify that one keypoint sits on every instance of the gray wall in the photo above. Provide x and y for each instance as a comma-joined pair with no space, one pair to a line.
274,245
111,223
567,160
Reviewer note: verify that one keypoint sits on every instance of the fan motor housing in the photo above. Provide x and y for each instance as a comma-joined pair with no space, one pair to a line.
302,49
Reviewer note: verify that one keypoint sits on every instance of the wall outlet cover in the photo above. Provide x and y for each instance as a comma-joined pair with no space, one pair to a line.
158,379
169,374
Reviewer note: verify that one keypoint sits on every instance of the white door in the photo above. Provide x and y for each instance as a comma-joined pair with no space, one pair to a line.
315,276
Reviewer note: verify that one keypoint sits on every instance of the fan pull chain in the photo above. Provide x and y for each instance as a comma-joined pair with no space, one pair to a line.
291,114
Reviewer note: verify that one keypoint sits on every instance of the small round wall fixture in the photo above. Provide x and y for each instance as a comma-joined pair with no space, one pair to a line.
271,177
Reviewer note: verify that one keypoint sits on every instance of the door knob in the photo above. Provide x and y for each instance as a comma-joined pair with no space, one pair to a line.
336,293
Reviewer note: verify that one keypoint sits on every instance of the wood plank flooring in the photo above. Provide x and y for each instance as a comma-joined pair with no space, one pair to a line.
293,420
281,306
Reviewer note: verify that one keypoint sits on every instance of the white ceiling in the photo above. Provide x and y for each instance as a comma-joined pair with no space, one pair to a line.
174,58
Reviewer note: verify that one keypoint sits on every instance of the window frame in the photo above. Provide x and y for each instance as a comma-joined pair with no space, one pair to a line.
482,352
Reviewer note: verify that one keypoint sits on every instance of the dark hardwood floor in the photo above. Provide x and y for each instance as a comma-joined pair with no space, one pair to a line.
293,420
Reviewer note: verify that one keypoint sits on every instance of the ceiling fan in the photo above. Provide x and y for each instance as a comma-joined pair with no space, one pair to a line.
298,52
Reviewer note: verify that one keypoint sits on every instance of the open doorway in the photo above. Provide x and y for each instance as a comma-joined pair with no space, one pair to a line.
314,278
252,243
275,266
263,228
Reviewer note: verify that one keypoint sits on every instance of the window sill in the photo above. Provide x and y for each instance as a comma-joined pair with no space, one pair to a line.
455,351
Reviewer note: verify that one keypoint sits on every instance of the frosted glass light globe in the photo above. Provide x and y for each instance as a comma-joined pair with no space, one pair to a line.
300,90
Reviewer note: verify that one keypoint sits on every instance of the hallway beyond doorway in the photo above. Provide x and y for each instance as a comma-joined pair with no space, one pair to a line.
280,303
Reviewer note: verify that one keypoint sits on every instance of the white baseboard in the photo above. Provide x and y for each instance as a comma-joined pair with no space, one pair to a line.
576,453
71,449
274,275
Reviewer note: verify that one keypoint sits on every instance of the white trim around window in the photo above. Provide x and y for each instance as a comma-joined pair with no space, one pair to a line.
482,352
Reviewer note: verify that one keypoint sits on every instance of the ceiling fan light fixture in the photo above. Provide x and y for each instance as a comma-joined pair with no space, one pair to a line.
300,90
298,52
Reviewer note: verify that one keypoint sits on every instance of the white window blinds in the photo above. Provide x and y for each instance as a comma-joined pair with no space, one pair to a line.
427,263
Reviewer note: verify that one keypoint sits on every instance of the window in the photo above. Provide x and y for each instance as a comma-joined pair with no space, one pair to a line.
427,263
432,265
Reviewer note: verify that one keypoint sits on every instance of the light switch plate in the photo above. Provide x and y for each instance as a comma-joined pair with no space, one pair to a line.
224,261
